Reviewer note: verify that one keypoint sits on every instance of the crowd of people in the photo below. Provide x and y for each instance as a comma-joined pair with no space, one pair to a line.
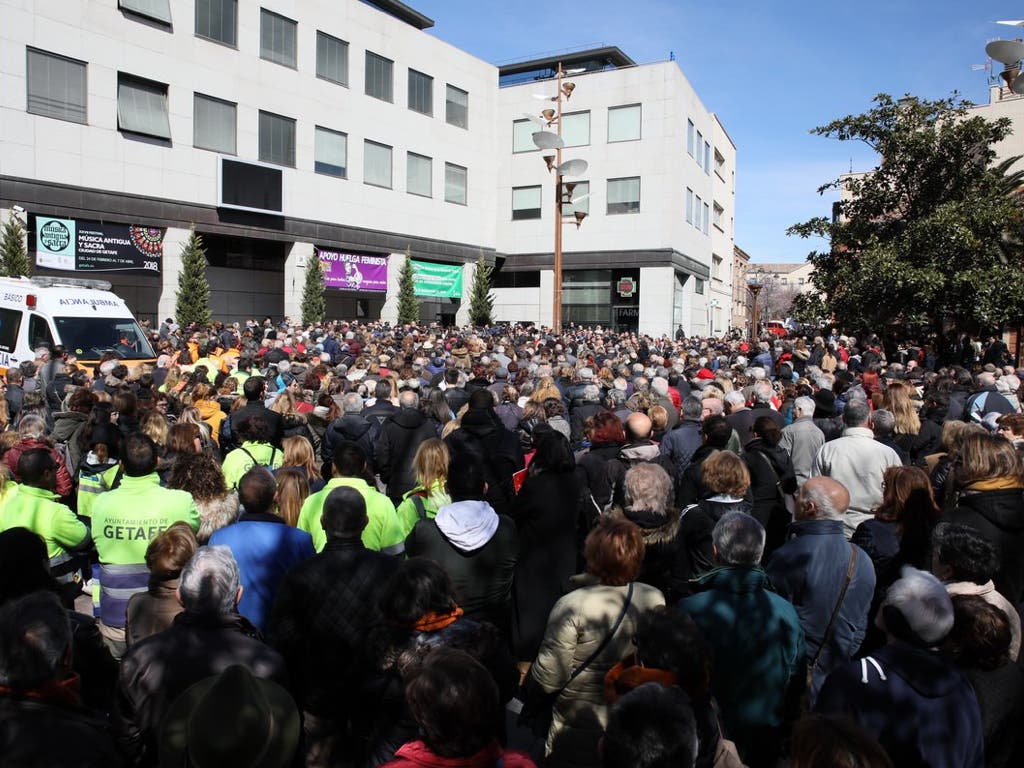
358,545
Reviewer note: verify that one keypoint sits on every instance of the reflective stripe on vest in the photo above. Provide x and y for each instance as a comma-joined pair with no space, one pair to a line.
117,585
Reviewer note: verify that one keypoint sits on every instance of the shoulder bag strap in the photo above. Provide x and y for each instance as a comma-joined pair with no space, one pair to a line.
839,604
771,468
604,643
421,511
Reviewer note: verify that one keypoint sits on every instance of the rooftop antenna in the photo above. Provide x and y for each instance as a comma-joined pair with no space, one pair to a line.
851,165
671,55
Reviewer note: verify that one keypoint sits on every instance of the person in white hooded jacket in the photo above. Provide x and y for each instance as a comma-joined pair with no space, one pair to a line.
477,547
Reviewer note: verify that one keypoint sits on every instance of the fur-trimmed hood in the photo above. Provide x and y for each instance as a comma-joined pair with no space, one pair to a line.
655,528
216,514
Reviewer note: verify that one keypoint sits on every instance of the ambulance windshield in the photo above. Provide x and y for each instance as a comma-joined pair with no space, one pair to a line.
87,338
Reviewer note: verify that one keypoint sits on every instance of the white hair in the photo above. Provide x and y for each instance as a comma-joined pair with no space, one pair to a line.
735,398
647,487
822,501
739,539
757,373
805,405
659,385
209,581
923,602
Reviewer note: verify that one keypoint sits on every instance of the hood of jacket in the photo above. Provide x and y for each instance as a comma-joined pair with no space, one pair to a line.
352,426
656,528
408,418
646,450
927,672
208,408
737,579
65,423
1001,508
468,525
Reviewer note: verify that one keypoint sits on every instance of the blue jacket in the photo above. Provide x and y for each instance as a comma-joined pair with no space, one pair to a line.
809,571
265,548
919,707
680,443
758,646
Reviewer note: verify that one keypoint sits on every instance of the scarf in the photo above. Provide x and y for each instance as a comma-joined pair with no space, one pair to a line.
432,621
994,484
626,675
66,691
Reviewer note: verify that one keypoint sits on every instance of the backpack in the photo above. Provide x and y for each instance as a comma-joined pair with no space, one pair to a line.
269,466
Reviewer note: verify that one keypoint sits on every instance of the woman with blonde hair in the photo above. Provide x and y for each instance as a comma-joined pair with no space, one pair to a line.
298,454
293,422
919,438
191,415
292,492
990,499
545,390
430,494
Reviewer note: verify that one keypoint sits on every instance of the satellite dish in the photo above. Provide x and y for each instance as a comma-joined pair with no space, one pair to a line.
1017,86
534,119
1006,51
548,140
575,167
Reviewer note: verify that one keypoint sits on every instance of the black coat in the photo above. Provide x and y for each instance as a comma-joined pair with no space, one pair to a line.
999,517
667,563
545,513
926,442
592,475
380,411
319,621
354,427
579,414
245,413
396,446
771,476
484,436
1000,695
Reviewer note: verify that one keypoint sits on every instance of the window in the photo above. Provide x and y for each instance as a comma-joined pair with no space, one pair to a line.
716,267
158,10
582,188
698,286
707,218
696,212
716,213
700,141
719,163
522,135
707,158
376,164
624,195
689,206
419,171
575,129
454,183
421,92
456,107
689,137
624,123
526,203
142,107
330,152
277,139
801,281
379,81
10,324
56,86
784,280
278,39
214,124
39,332
217,20
331,59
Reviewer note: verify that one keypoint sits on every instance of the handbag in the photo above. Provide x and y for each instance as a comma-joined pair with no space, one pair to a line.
538,706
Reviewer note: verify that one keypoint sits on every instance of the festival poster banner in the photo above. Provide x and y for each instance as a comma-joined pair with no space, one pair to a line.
354,271
91,246
442,281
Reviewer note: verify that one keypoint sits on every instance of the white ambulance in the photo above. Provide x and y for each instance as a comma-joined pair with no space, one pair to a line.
83,315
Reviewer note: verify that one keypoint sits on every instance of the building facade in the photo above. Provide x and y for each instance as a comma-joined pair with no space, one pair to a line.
741,298
288,130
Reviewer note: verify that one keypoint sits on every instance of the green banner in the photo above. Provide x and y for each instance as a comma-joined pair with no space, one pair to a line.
437,280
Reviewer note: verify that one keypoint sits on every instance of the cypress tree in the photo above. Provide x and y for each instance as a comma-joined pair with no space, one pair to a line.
408,306
314,305
481,300
13,254
193,296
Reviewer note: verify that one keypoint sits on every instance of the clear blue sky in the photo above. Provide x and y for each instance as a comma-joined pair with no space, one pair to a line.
772,70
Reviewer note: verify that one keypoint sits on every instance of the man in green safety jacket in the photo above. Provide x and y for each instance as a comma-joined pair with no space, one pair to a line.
384,531
124,521
34,506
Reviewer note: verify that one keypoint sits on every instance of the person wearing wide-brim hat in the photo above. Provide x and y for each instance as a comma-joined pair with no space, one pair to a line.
231,720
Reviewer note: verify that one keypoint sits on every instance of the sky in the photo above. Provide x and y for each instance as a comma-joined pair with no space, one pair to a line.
772,70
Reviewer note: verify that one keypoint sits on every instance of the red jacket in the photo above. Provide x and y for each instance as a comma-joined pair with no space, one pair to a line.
416,754
65,485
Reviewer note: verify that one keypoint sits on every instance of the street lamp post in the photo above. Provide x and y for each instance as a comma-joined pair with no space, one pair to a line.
755,283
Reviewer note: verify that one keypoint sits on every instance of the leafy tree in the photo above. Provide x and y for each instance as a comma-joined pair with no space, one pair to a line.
481,300
314,305
926,235
193,296
14,260
408,306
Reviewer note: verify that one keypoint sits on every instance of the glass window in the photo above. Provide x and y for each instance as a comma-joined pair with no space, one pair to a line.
214,124
719,163
522,135
421,92
624,123
624,195
278,39
785,280
801,281
707,217
142,107
575,129
277,139
379,83
689,206
526,203
376,164
456,107
158,10
39,332
10,324
700,142
717,212
97,335
331,59
56,86
330,152
690,130
217,20
419,171
698,286
582,188
455,183
696,212
707,158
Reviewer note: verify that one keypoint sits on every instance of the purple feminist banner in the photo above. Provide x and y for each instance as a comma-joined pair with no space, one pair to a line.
354,271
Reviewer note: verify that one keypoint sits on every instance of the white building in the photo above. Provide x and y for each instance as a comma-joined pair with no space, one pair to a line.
285,128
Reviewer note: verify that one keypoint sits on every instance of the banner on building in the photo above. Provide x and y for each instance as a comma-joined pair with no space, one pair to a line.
89,246
442,281
354,271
